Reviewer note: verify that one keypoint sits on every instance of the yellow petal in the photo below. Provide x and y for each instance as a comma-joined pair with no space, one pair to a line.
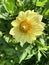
14,23
12,31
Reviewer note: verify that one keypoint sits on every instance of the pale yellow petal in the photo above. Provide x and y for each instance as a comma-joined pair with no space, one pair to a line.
38,29
40,17
22,15
35,17
12,31
14,23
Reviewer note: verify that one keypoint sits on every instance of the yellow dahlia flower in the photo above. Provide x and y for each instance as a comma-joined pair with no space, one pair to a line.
27,26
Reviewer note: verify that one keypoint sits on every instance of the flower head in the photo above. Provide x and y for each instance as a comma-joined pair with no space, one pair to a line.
27,26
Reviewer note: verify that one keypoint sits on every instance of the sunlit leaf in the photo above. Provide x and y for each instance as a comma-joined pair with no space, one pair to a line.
9,5
39,3
39,55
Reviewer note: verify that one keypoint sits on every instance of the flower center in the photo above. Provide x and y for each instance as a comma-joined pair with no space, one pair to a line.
25,26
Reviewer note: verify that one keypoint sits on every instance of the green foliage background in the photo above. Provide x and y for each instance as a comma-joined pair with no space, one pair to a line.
12,53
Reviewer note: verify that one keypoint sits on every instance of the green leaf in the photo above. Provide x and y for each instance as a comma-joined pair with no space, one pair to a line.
1,34
10,51
2,63
39,56
27,53
22,57
9,6
45,12
39,3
